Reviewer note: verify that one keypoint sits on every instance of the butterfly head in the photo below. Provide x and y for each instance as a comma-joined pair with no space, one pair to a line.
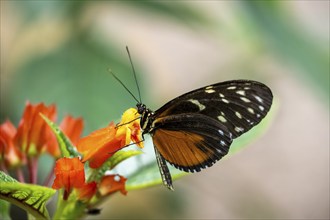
141,108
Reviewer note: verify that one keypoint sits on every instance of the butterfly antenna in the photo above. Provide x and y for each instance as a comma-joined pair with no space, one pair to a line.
137,85
113,74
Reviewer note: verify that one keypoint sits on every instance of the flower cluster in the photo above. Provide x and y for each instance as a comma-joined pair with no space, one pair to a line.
23,145
80,176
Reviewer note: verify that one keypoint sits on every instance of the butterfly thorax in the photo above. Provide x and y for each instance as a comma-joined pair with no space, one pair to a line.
147,118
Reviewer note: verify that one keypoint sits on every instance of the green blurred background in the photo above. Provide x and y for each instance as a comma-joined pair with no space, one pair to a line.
59,52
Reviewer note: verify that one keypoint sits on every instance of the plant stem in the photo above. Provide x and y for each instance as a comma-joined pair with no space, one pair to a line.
33,169
3,168
49,177
60,206
20,175
69,208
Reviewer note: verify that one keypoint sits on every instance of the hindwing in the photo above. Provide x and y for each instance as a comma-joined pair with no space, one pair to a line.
190,141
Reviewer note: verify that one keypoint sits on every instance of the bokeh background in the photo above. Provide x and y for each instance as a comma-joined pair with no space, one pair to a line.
59,52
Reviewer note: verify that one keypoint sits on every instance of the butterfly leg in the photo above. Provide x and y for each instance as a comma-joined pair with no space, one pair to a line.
164,171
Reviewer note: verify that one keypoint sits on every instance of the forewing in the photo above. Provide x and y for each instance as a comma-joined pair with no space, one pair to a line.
191,142
238,105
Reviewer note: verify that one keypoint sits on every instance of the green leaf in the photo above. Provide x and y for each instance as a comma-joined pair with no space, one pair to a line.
148,175
184,14
112,162
31,198
67,149
4,211
4,178
5,206
120,156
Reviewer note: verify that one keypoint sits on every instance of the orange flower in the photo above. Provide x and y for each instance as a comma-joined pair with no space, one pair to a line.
86,192
10,153
98,146
111,184
33,132
69,174
72,128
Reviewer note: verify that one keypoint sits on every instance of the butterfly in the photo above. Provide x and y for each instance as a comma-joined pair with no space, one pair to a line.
196,129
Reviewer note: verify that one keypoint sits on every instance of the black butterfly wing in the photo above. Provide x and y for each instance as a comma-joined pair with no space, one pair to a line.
190,141
238,105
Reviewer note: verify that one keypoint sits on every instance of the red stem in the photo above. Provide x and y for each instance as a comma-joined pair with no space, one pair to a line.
65,195
3,168
20,175
33,169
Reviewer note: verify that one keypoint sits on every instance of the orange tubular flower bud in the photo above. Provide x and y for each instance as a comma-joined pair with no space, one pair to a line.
33,133
69,174
72,128
98,146
9,153
111,184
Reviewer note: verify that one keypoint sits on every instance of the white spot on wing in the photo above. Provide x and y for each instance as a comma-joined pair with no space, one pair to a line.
241,92
238,115
220,132
196,102
245,99
261,107
250,110
239,129
221,95
258,98
223,143
250,122
222,119
209,90
231,87
225,100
